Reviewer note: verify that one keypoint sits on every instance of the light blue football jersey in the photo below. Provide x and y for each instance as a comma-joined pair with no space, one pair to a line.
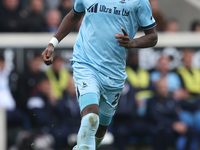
96,43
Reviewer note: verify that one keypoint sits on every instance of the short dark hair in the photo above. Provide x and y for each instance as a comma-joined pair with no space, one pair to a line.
2,58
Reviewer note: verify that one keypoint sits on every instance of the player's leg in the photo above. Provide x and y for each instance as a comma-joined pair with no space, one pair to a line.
104,121
88,135
107,105
88,94
100,135
102,127
90,121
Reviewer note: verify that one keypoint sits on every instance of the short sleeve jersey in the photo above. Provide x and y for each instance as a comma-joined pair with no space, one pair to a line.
96,44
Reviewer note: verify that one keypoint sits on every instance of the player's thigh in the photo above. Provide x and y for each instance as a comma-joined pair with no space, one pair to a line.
87,88
107,106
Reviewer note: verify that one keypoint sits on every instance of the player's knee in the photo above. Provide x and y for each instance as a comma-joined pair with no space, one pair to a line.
92,121
93,108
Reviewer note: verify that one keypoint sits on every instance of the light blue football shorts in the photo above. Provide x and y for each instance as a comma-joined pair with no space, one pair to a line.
93,87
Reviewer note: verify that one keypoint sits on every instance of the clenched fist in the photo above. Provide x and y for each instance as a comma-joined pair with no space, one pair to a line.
47,54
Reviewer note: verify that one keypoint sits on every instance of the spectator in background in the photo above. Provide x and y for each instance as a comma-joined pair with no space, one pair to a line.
65,7
42,106
129,119
163,112
10,16
163,71
189,75
171,26
72,105
195,26
35,19
189,96
15,117
130,122
25,4
68,109
158,15
52,4
139,80
28,80
123,119
50,116
58,77
52,20
137,77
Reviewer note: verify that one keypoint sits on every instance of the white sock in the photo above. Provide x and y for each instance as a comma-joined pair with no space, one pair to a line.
87,131
98,141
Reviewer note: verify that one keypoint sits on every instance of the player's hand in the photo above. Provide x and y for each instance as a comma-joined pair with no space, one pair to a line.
47,54
123,39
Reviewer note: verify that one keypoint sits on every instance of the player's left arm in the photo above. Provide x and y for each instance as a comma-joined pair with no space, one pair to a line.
148,40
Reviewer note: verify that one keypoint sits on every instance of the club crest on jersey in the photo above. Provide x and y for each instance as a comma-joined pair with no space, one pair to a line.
93,8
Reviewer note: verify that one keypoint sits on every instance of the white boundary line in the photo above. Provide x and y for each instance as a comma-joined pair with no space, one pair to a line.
180,39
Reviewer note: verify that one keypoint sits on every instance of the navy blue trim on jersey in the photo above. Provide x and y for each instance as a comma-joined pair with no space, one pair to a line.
150,26
77,11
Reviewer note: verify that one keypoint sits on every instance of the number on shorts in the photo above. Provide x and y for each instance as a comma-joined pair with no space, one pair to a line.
116,99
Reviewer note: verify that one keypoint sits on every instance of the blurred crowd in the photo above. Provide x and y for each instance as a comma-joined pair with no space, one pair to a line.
39,104
160,107
33,15
46,15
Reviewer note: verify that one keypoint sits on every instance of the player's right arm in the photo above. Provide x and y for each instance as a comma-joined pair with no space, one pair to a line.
66,26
